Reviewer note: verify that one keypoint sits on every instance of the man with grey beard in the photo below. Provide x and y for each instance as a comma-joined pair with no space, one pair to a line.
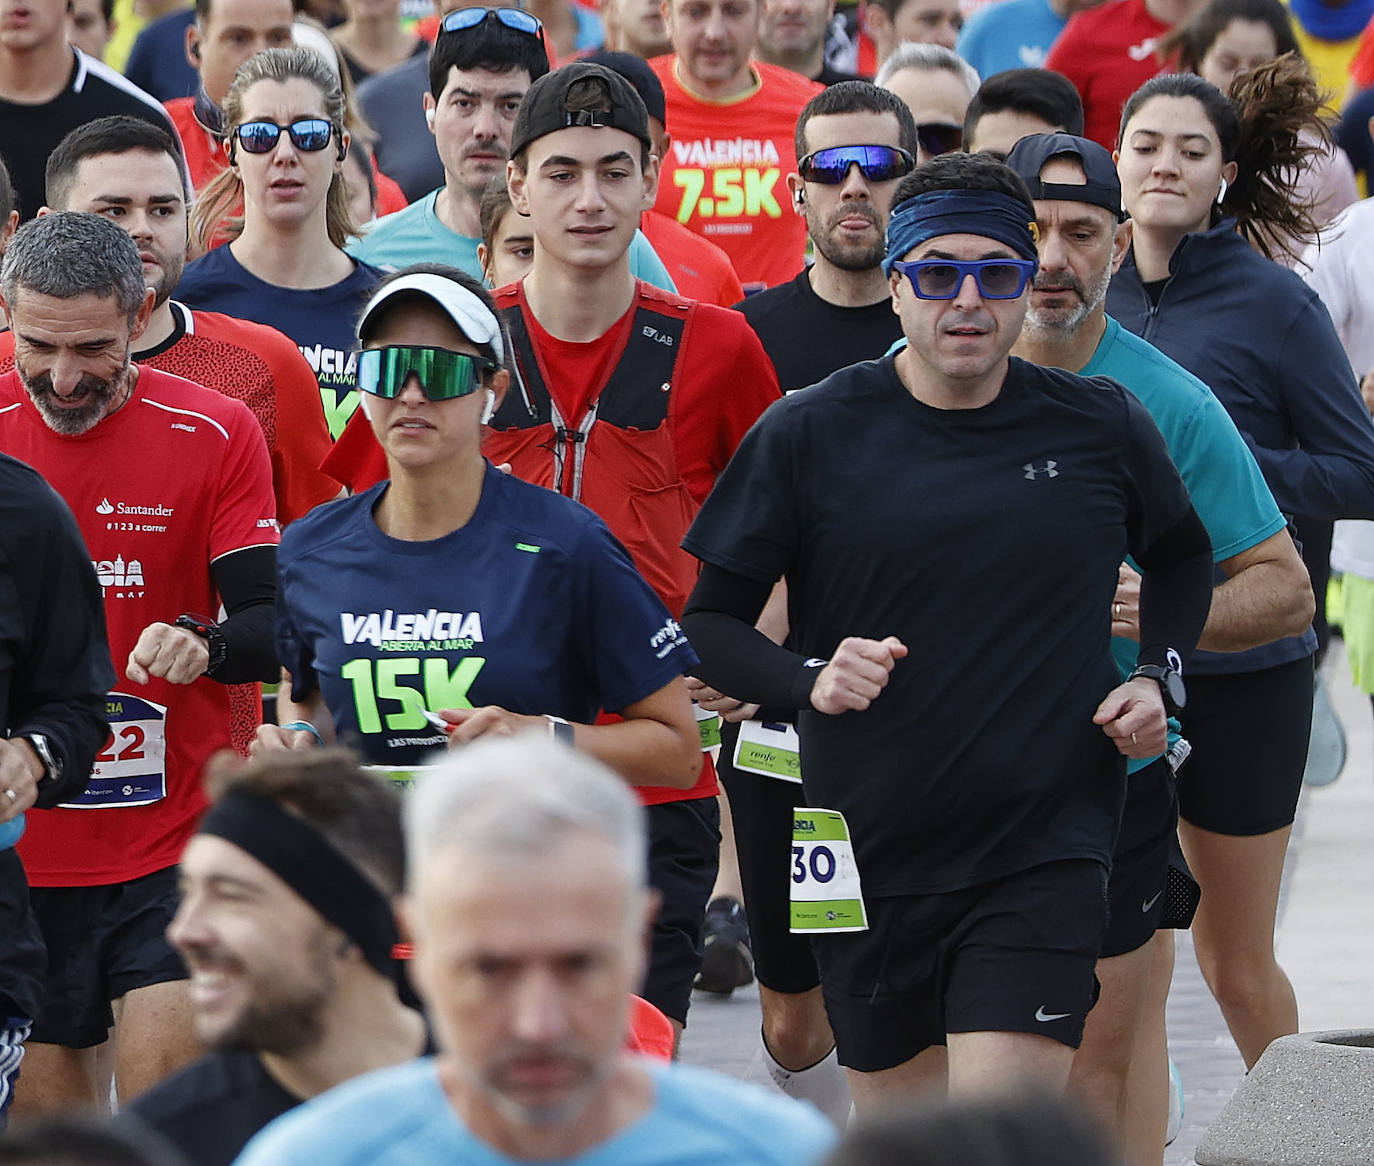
528,909
172,488
286,925
1121,1069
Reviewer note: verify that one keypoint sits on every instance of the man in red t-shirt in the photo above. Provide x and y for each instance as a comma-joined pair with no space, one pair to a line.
632,400
725,173
171,486
1109,52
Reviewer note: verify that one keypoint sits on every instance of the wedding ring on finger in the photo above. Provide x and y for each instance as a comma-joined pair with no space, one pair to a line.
1116,611
1133,740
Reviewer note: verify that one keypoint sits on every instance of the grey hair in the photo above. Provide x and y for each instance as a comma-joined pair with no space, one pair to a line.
913,55
71,253
521,794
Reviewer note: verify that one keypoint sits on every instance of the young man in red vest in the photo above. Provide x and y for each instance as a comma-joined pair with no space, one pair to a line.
629,399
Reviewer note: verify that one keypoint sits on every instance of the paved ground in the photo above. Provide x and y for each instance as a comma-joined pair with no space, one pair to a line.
1326,942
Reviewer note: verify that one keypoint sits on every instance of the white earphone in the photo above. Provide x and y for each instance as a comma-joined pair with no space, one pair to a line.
429,118
1221,194
365,404
490,407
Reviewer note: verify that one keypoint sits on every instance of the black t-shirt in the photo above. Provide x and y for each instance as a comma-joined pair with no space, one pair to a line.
213,1107
988,541
29,133
808,338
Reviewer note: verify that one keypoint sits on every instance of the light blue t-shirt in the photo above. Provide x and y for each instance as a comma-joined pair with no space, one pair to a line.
418,235
1015,34
401,1117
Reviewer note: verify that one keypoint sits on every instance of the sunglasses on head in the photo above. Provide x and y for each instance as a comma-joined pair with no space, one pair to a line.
443,374
941,279
876,163
307,133
939,137
512,18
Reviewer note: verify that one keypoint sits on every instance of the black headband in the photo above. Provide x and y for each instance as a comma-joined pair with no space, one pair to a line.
310,865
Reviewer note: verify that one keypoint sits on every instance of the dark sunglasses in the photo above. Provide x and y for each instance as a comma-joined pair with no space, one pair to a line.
941,279
443,374
939,137
876,163
512,18
307,133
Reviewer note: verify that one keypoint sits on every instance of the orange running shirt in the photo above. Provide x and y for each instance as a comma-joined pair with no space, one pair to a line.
725,175
700,269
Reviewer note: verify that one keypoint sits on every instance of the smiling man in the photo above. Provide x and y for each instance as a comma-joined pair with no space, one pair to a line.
963,737
286,927
526,901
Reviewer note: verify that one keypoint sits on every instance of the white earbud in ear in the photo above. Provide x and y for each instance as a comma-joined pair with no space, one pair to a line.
365,404
490,407
429,118
1221,194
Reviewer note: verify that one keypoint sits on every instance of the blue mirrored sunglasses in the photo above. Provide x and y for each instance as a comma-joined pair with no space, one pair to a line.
513,18
307,133
941,279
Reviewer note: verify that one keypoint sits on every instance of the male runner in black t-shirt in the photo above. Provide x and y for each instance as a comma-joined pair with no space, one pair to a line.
286,927
963,715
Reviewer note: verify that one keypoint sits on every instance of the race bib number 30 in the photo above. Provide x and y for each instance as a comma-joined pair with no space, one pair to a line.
826,895
131,769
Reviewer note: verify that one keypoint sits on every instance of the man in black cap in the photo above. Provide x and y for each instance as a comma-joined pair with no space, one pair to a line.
634,400
286,926
962,727
1121,1069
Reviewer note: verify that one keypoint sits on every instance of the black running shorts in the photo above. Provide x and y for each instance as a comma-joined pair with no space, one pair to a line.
1249,734
1016,955
102,942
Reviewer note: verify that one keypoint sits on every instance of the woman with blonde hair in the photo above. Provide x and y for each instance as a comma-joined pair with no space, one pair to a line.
285,265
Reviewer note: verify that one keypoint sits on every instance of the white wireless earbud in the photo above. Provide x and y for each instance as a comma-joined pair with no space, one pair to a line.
1221,194
365,404
490,407
429,118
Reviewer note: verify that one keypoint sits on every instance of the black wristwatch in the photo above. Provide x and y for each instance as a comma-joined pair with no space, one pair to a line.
52,762
1170,681
209,631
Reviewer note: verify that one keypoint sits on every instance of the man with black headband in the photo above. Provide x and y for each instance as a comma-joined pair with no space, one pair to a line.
963,727
286,926
1121,1069
529,913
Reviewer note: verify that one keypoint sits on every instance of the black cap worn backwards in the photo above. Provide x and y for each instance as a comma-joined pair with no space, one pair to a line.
544,109
1103,188
636,71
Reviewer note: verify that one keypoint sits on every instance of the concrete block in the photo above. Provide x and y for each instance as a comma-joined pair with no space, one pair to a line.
1309,1101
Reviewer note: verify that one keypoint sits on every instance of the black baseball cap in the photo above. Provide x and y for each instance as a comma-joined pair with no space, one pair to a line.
544,109
636,71
1103,188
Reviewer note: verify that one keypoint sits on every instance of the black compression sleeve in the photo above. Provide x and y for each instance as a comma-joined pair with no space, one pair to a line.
1175,589
247,582
736,657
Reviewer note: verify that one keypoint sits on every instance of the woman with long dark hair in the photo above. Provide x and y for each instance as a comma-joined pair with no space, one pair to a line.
1209,184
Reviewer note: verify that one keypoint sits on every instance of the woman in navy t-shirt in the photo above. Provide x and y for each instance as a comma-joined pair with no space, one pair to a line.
454,600
285,265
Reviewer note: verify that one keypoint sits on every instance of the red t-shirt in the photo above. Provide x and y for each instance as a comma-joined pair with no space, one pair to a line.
700,269
175,479
725,176
1108,53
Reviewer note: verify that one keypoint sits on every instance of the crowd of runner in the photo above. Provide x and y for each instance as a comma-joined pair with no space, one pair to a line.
517,515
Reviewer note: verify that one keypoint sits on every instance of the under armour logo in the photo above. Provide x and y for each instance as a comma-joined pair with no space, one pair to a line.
1033,471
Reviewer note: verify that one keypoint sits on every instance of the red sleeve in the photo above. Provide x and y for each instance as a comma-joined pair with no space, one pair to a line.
245,508
357,460
390,197
721,396
302,432
1362,64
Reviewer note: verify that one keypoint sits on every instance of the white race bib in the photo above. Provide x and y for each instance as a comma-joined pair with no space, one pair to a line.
131,768
708,725
769,749
826,895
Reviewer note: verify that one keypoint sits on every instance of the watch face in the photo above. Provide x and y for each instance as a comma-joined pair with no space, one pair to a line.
1173,686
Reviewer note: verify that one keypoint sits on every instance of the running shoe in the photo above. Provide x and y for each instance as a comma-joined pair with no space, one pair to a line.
727,962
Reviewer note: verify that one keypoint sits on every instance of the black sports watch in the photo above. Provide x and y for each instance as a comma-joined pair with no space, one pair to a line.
52,762
209,631
1170,681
